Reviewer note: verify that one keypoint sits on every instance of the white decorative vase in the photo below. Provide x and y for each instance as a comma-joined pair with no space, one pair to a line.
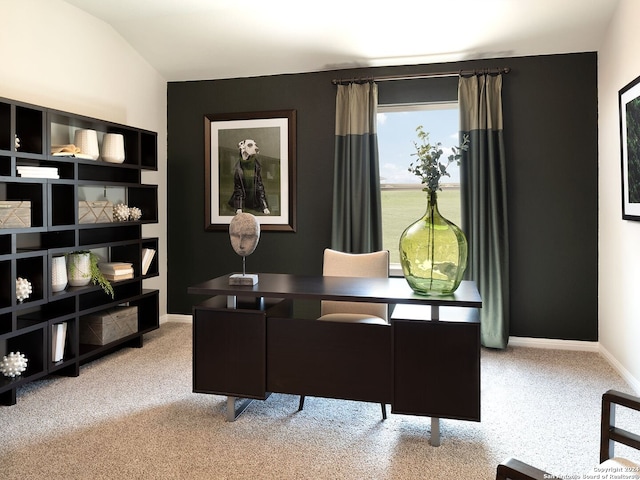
87,143
113,148
58,274
79,269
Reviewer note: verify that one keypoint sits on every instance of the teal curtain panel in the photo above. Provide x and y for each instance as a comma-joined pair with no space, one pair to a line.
357,217
484,202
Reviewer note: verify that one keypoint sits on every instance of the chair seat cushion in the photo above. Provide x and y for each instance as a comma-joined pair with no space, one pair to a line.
618,465
353,318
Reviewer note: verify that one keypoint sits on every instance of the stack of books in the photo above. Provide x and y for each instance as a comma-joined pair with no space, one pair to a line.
114,271
37,172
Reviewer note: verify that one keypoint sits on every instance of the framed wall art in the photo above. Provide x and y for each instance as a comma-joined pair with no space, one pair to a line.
629,103
250,166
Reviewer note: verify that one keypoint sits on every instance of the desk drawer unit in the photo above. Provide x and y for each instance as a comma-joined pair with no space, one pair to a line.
436,364
329,359
229,350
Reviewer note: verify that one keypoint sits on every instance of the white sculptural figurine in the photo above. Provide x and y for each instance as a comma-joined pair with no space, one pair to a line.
13,365
23,289
244,233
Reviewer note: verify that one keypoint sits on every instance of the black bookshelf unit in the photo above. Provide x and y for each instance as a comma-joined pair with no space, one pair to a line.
52,228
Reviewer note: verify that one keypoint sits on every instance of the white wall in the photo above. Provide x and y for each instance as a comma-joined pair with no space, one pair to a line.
55,55
619,248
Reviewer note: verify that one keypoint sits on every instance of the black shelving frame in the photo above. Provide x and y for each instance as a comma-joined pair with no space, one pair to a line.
27,252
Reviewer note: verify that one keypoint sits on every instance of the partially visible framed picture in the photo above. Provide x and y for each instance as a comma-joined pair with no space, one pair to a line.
250,166
629,102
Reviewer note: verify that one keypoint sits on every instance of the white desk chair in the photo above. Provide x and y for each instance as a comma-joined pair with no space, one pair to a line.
340,264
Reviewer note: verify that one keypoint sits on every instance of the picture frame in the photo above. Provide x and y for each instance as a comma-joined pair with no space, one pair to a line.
629,108
273,169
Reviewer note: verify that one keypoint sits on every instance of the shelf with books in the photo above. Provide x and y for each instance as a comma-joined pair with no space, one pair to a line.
41,165
58,341
149,258
116,271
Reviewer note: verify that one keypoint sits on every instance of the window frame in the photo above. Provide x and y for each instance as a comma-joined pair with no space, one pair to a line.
395,269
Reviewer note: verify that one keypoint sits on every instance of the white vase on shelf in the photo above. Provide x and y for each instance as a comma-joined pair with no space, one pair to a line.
87,142
113,148
58,274
79,269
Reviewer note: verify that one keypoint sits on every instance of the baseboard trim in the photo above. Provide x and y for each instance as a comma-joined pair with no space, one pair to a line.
174,317
630,379
577,345
554,344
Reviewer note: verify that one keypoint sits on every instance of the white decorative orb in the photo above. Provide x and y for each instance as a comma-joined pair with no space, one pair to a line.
13,365
23,289
120,213
135,214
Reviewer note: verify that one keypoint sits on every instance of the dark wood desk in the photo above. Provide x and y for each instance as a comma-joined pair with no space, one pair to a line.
246,344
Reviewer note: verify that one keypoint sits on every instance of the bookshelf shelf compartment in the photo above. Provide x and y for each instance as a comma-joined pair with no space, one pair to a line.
5,126
30,129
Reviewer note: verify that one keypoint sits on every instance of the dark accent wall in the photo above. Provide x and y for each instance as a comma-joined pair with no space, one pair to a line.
550,112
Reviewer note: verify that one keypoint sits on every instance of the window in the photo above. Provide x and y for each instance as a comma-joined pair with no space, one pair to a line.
403,200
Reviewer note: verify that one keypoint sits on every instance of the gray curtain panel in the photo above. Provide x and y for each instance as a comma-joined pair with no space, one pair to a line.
484,202
357,217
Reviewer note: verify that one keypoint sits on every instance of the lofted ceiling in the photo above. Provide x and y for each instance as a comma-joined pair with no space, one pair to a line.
213,39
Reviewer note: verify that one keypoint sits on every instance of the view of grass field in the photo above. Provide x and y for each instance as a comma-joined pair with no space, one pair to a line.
402,207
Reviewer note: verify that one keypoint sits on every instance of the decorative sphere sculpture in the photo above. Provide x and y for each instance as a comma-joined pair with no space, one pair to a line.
23,289
120,212
135,213
13,365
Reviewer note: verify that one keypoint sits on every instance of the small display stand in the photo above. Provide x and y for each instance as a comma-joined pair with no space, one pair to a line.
243,278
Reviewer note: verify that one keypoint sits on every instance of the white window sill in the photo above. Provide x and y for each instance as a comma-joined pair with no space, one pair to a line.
395,270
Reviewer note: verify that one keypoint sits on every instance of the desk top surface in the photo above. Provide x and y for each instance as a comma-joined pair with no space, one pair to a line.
392,290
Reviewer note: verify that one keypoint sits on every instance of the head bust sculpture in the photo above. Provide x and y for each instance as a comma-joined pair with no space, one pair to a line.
244,233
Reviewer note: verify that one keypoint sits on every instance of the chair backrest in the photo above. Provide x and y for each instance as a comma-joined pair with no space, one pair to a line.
340,264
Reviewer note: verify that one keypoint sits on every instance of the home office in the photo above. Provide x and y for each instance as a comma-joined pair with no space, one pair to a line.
569,288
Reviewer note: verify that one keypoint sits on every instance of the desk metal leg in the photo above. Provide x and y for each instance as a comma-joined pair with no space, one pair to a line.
235,410
435,422
232,302
435,432
236,405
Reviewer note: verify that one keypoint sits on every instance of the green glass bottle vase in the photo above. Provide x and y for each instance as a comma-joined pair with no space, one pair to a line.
433,252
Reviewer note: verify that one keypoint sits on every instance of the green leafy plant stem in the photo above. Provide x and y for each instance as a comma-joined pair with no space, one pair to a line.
428,166
97,278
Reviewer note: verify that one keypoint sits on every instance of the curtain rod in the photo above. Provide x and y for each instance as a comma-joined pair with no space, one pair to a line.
482,71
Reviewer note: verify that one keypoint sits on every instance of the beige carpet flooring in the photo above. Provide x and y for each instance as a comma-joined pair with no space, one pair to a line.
132,415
